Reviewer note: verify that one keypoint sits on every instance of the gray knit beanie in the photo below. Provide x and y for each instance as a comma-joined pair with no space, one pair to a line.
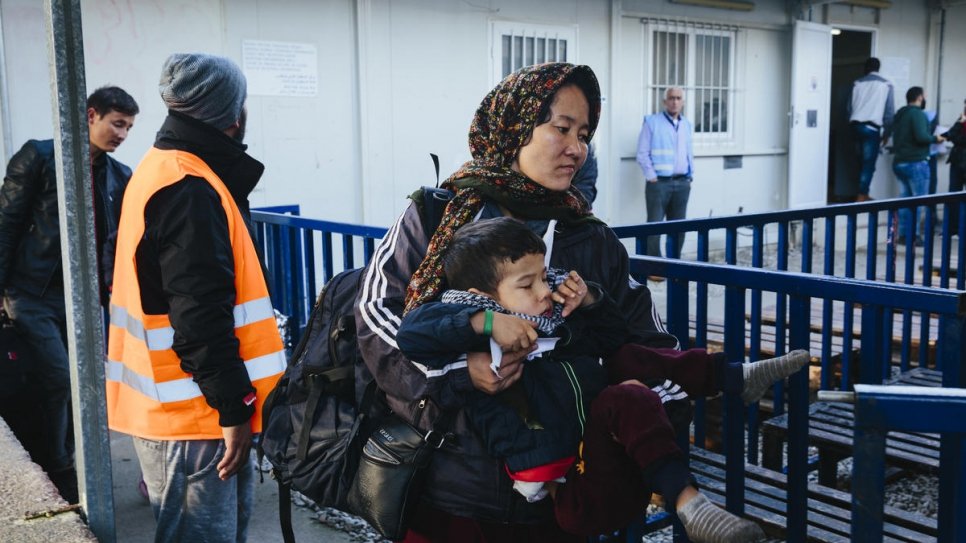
208,88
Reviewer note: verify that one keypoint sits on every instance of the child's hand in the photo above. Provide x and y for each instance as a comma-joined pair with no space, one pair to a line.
573,293
509,332
513,333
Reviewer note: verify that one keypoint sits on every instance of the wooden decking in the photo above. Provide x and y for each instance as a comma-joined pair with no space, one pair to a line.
830,430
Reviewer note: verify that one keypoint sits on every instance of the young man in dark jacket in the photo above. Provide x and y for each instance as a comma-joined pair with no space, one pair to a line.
910,145
31,275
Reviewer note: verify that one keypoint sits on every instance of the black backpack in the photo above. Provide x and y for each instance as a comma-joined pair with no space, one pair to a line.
318,386
313,427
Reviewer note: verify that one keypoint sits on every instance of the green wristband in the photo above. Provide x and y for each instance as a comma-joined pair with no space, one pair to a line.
488,323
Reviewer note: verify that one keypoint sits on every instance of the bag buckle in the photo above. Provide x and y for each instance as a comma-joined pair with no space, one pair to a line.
435,439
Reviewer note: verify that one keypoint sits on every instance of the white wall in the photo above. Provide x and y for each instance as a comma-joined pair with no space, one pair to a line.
427,69
28,77
952,79
310,145
400,79
762,56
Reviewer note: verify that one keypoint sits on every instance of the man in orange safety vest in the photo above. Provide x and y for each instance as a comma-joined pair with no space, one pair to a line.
193,348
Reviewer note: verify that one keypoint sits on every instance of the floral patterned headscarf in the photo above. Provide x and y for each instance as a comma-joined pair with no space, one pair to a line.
503,124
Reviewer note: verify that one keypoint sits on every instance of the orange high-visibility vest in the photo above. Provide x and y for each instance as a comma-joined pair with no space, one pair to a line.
148,395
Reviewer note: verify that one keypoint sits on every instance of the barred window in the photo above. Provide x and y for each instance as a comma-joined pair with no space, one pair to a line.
699,58
516,45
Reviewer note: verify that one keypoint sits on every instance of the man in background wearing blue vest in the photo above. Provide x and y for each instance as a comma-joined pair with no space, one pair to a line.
666,156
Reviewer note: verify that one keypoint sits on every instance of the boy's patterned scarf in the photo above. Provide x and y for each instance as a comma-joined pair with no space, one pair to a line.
503,123
546,324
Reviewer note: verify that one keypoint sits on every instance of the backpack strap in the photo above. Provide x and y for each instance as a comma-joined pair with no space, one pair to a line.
285,512
436,166
431,203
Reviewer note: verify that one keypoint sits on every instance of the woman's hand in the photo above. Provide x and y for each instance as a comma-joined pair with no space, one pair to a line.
483,378
573,293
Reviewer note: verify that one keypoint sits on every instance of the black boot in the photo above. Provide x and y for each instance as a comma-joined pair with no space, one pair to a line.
66,482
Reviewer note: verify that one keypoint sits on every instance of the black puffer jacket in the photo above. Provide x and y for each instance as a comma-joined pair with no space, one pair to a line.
186,268
957,136
463,479
30,225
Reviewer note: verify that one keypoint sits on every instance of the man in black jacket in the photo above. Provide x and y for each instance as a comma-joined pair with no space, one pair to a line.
31,274
188,274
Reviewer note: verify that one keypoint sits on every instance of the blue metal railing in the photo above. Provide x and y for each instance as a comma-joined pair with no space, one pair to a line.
876,299
300,256
825,227
880,409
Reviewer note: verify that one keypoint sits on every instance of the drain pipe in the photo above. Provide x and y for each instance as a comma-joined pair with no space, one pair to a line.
939,68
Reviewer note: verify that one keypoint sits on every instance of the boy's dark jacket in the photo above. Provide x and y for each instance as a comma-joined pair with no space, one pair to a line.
557,386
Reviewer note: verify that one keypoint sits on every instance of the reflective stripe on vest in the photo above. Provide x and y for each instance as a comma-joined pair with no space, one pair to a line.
148,394
186,389
160,339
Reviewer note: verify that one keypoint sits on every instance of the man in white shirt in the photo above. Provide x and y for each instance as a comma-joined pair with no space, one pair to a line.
871,111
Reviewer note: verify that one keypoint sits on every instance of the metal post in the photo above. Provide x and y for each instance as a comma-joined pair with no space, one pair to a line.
870,357
881,408
868,473
797,501
85,339
734,410
952,473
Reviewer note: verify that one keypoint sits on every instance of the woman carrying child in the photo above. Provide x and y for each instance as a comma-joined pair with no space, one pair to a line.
528,138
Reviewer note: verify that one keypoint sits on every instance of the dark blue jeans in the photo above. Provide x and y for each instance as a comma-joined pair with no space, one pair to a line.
867,141
913,180
667,198
42,322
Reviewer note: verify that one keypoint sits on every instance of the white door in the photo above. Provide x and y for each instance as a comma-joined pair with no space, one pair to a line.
809,115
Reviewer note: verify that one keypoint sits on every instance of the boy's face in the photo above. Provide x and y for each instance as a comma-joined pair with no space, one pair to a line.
524,288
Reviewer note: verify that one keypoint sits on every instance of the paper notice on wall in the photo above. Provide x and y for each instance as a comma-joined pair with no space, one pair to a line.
275,68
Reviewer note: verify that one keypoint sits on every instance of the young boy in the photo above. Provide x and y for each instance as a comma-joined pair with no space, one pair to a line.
610,460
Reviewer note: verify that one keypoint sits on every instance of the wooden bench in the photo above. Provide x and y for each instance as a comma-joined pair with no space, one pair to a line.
768,317
829,510
830,430
715,341
920,377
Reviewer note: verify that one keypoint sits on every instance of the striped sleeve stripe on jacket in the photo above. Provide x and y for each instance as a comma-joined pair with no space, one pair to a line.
380,319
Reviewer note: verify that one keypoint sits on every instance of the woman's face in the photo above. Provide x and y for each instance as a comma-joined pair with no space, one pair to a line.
558,148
